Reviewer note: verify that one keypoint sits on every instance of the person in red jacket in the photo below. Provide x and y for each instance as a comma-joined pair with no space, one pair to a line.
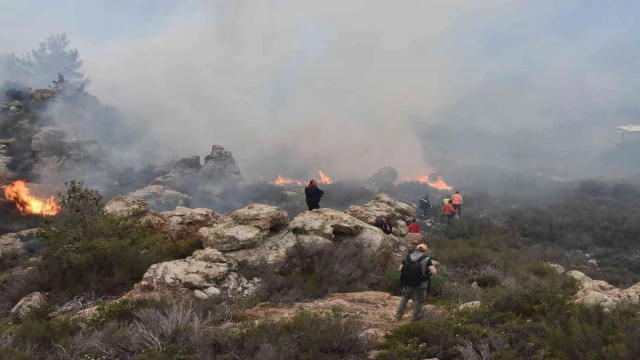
449,212
414,228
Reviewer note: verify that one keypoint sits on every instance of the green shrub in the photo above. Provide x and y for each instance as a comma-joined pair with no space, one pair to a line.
8,353
89,250
305,336
44,332
119,310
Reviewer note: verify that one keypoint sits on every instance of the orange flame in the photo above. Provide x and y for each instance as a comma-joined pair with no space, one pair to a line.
285,181
18,193
424,178
324,178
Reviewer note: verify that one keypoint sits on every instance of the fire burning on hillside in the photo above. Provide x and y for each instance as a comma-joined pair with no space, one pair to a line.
19,194
282,181
324,179
425,176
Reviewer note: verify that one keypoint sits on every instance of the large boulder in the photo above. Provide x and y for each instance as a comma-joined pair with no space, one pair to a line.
244,228
229,236
183,216
15,242
601,293
262,216
28,303
327,223
220,168
332,225
281,252
126,206
205,274
382,205
160,198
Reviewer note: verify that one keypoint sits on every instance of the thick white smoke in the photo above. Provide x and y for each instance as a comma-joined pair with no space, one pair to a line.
348,86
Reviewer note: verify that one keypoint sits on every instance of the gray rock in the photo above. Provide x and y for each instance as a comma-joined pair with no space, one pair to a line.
14,242
49,141
5,160
201,274
220,168
126,206
182,175
160,198
28,303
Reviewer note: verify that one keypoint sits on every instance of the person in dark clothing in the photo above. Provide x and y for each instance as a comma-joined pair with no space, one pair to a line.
425,205
417,292
383,223
314,194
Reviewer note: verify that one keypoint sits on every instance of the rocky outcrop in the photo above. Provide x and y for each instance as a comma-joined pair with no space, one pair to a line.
220,168
263,217
160,198
42,95
383,204
126,206
557,268
49,141
182,176
5,160
332,224
28,303
205,274
386,176
185,217
598,292
15,242
261,235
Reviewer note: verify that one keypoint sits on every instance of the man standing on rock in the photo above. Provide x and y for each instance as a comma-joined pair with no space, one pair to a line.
414,276
314,194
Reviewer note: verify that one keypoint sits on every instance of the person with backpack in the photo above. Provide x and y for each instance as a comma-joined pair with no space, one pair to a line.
383,223
415,273
314,194
425,205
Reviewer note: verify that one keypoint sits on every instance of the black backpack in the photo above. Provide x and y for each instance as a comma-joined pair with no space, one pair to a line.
411,274
381,223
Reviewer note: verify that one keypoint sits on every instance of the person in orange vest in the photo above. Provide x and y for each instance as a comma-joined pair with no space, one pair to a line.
456,200
449,212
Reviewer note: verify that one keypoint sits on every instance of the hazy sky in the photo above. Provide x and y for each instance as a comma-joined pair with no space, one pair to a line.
343,85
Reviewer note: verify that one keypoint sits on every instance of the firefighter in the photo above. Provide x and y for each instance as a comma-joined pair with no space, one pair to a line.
456,200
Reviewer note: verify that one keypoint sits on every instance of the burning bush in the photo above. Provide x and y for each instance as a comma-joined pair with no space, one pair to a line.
20,195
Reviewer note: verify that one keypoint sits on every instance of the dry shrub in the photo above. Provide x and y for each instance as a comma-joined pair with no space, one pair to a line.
343,267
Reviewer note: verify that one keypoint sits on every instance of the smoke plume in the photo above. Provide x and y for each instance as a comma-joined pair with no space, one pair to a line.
348,86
